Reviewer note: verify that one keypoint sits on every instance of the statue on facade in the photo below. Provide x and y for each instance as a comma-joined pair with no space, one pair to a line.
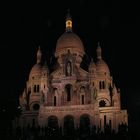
68,69
94,93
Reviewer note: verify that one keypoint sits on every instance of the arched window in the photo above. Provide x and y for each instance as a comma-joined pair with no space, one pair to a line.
103,85
68,89
54,100
102,103
37,88
36,107
34,88
100,85
83,99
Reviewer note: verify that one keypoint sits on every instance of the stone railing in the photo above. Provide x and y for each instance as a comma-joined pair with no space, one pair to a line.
68,108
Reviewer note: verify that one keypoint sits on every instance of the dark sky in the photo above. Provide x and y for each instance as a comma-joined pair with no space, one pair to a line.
24,26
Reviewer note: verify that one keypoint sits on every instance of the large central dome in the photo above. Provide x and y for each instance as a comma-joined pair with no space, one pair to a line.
69,40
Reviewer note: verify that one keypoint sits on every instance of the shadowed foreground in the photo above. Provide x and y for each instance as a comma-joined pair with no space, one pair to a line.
47,133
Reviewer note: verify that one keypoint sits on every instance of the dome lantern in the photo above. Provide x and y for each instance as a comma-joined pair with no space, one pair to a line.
68,22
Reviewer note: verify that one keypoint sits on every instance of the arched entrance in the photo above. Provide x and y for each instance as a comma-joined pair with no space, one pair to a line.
53,126
36,107
68,127
84,125
68,89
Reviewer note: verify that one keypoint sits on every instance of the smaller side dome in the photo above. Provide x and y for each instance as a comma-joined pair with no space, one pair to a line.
69,40
102,67
35,71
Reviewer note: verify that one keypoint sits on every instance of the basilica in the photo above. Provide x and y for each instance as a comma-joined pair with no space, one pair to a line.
69,96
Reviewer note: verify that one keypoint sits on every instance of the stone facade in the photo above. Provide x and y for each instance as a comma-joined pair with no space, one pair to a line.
70,94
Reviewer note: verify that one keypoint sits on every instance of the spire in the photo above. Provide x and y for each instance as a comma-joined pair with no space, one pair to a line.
39,55
68,22
92,61
99,51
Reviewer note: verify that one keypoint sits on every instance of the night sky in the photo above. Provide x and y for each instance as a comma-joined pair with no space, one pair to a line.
24,26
